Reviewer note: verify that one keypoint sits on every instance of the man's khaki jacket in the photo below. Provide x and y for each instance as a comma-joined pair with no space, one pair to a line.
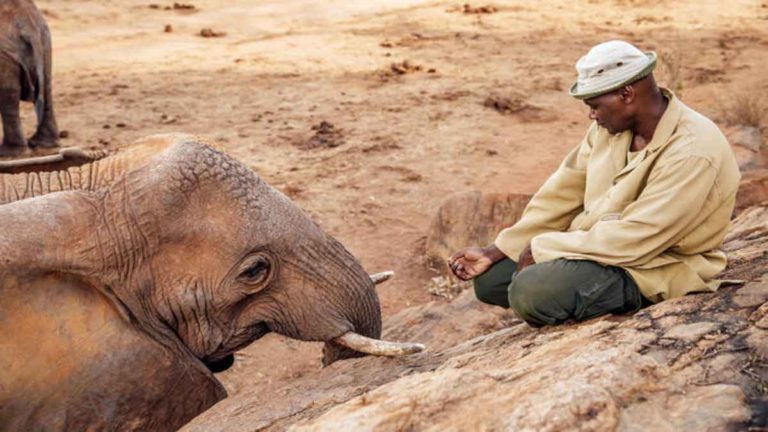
661,217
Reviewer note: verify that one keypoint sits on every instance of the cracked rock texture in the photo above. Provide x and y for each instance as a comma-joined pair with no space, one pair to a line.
694,363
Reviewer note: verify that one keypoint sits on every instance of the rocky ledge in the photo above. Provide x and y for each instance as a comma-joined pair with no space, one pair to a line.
694,363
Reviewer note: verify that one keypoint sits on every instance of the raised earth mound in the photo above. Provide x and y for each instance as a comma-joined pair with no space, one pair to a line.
694,363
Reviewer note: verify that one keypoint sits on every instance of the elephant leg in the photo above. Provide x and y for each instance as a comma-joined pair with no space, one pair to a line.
10,97
47,134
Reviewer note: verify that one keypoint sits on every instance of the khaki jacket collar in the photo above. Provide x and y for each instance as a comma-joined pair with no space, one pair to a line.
667,124
664,130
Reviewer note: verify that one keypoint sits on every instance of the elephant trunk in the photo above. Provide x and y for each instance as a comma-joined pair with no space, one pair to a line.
73,169
28,178
64,159
355,344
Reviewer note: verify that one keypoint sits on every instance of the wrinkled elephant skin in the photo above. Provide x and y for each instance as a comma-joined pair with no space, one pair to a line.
126,281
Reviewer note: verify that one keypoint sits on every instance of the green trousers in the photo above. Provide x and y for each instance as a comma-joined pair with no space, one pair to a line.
557,291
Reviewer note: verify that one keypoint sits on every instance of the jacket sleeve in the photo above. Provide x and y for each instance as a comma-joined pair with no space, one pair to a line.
666,210
559,200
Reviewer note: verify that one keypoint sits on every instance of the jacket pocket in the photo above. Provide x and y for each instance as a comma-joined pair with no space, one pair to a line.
610,217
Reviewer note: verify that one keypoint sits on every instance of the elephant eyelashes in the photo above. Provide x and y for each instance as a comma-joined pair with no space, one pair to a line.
257,272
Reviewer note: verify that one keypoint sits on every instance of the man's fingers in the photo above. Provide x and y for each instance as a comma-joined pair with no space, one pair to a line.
457,269
463,275
456,256
458,265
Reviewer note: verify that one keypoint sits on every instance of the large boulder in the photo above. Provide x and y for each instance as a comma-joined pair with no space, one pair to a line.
748,146
751,153
470,219
693,363
753,189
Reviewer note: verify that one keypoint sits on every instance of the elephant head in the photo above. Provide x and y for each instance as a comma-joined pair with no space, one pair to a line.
193,249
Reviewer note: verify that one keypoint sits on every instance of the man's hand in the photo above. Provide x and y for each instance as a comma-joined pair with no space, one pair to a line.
526,258
474,261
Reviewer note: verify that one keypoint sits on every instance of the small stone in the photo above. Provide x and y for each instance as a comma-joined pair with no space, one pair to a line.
183,6
691,332
210,33
760,317
168,28
165,119
757,339
64,134
752,294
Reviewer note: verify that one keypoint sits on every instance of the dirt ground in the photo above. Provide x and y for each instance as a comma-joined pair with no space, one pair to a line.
369,114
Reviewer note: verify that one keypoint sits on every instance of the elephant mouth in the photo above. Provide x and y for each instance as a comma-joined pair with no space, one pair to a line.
221,363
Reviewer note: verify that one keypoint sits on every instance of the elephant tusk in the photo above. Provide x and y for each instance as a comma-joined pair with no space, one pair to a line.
378,278
377,347
5,165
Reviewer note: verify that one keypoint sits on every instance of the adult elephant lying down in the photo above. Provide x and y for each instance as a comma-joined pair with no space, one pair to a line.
125,281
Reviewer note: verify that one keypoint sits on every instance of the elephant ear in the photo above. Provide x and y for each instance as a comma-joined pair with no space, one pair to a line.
72,362
66,158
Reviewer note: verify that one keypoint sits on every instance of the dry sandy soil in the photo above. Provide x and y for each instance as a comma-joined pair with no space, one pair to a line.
480,103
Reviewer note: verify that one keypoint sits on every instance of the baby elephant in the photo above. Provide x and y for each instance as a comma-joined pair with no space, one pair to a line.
127,281
25,75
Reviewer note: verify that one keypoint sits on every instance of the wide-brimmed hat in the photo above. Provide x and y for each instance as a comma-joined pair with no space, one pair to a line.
609,66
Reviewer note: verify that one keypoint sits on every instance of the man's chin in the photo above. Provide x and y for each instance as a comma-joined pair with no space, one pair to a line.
610,130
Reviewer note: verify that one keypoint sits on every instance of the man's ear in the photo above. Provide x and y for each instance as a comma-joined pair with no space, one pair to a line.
627,94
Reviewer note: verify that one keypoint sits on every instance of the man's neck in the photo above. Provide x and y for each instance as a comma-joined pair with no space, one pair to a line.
647,122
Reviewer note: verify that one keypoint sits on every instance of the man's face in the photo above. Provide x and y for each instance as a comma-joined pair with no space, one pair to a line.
610,111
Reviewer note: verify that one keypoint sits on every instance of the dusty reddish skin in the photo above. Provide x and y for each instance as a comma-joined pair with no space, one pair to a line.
117,291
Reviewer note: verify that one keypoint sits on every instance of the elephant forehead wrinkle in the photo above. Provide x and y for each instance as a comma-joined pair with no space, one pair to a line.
198,163
263,208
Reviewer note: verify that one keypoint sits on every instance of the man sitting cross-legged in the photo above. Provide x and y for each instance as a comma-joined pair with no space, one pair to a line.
635,214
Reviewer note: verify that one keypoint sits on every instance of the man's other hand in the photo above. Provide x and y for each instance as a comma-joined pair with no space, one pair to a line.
474,261
526,258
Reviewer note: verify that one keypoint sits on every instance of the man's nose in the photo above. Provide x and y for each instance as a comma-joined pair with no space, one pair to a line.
592,115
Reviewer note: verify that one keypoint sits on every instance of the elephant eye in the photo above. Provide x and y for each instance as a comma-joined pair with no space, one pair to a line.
256,272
